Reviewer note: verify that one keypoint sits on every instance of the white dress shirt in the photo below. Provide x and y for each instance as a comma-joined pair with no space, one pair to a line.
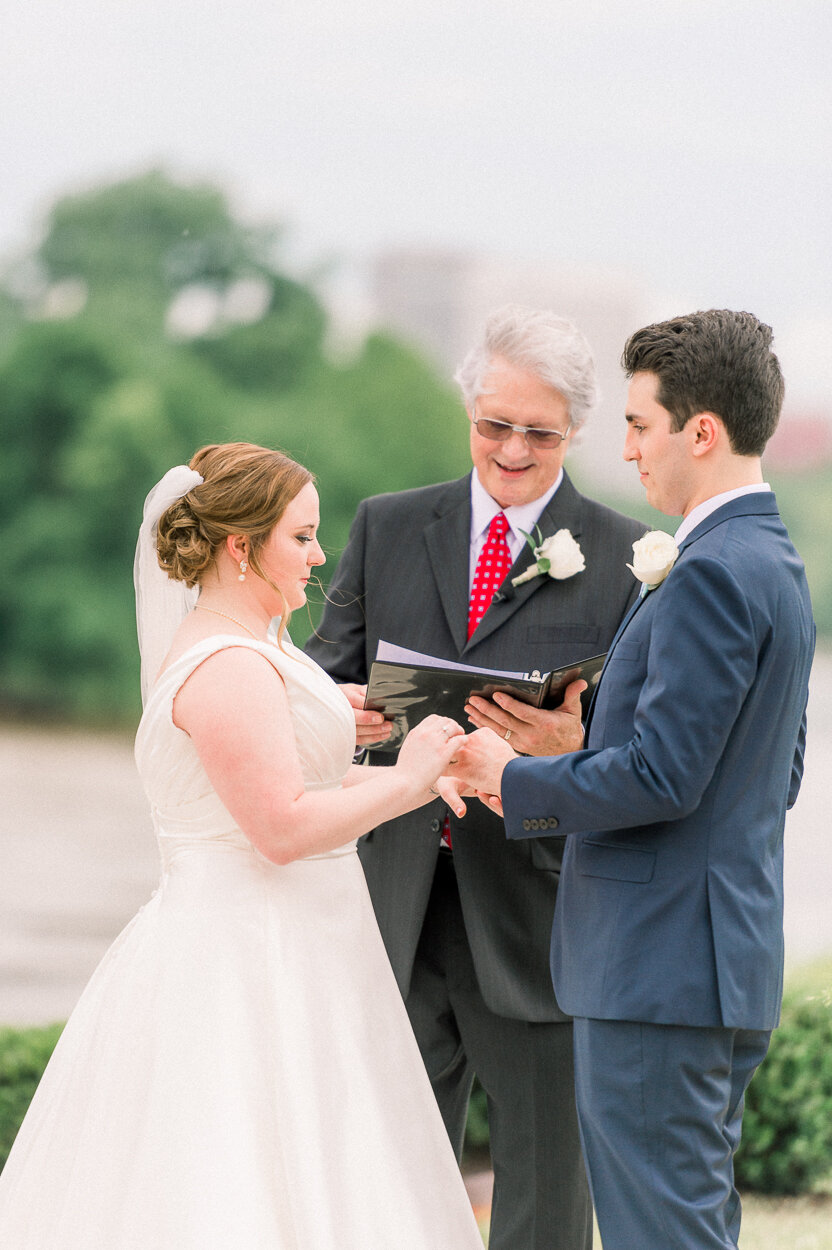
519,516
698,514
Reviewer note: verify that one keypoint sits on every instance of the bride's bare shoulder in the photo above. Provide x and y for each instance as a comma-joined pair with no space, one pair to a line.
195,630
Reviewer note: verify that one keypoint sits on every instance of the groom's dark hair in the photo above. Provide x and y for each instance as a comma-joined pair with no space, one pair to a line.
717,361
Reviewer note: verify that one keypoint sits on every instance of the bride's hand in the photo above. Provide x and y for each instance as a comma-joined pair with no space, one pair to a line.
428,750
451,789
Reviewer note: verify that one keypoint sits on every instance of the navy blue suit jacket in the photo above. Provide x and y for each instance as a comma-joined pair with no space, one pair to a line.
671,896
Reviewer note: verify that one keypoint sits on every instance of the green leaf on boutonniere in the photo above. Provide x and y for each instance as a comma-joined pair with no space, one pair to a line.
533,542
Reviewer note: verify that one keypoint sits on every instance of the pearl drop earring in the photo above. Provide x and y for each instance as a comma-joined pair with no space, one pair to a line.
243,567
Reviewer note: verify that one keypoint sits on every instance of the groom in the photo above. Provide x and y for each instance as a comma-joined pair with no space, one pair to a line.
667,945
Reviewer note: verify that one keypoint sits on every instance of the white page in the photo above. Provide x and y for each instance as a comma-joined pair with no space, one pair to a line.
400,655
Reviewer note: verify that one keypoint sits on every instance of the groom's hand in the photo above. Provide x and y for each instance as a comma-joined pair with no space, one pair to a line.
479,761
532,730
370,727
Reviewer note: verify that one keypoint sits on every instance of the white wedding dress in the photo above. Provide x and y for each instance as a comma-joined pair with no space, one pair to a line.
240,1073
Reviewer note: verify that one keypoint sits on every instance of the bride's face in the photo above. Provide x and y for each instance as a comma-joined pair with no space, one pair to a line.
292,551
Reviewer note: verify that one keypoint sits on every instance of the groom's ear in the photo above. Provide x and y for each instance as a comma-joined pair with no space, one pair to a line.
705,430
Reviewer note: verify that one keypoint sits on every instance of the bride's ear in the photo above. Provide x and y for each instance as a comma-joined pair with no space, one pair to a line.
237,546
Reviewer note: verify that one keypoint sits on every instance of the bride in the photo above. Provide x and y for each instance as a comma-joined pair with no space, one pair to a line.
240,1073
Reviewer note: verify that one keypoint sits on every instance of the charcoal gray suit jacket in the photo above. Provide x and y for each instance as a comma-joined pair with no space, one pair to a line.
403,577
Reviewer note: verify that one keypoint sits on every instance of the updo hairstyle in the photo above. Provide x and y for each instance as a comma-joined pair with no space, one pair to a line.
246,490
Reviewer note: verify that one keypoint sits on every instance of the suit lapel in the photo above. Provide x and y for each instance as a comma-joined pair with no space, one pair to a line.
448,540
626,621
563,511
755,504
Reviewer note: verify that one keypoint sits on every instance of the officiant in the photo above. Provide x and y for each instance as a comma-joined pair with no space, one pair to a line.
466,914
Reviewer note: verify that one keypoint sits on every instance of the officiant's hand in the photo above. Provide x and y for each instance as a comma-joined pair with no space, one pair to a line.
370,727
532,730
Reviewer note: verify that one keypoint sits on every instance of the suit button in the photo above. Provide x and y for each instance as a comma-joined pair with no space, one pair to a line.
435,825
534,824
527,824
552,823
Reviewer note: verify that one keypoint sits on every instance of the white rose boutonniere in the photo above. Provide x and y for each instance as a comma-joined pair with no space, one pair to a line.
654,555
559,556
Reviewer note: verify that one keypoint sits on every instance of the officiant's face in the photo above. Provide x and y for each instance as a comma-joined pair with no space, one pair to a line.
514,472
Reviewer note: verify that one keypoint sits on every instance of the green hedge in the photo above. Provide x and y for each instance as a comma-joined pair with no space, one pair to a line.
787,1127
23,1056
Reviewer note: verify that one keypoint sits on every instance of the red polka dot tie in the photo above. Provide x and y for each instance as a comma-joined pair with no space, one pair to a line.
492,567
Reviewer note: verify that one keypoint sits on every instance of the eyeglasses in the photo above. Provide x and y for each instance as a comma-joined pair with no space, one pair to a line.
535,436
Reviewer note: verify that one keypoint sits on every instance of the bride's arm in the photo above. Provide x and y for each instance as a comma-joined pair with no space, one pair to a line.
235,709
357,773
447,788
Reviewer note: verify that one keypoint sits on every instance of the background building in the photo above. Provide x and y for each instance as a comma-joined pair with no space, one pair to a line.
439,299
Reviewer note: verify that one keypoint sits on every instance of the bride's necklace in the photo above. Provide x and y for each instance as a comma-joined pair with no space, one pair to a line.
217,612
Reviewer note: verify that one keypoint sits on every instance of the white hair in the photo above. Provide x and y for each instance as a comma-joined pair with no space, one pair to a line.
550,347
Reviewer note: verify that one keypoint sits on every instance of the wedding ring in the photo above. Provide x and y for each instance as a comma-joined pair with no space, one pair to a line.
433,790
507,734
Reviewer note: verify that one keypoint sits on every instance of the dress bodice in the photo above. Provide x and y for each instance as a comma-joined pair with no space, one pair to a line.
183,802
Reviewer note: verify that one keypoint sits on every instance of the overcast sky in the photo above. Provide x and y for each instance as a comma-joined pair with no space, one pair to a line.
685,142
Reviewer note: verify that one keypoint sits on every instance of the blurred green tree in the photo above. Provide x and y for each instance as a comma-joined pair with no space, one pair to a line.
150,233
154,322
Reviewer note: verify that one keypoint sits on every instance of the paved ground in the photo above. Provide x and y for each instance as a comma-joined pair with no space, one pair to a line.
77,857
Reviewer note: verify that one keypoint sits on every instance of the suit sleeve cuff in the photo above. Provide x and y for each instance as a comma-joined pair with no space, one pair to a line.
520,820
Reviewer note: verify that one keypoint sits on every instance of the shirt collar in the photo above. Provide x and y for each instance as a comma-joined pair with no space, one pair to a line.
519,516
697,515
